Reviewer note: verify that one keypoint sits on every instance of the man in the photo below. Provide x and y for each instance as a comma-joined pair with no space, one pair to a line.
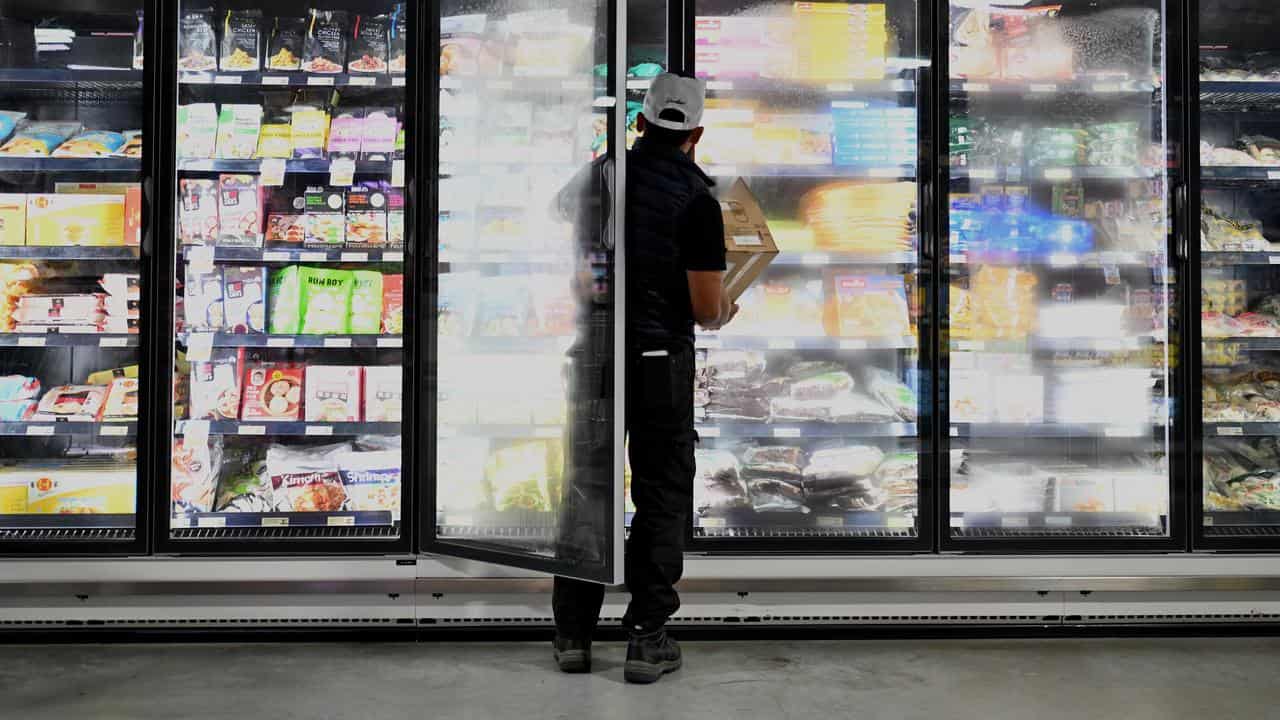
675,259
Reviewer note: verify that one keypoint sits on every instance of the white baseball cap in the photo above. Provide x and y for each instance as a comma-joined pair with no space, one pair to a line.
669,91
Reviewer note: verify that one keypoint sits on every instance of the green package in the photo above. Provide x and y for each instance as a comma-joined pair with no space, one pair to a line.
366,302
284,302
326,300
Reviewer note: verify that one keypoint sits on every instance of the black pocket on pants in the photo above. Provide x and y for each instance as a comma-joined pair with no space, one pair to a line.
657,391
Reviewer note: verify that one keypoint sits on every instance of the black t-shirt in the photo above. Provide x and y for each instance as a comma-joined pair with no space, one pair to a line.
701,229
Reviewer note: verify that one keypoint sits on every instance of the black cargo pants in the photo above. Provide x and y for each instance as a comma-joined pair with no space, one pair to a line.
659,424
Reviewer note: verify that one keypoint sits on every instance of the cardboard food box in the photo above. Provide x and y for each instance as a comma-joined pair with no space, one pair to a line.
132,193
383,393
332,393
272,391
13,219
72,220
748,244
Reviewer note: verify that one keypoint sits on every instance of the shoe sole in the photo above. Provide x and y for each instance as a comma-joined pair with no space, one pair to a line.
573,661
643,673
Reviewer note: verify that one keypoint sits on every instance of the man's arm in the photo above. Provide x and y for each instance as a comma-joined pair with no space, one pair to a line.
704,261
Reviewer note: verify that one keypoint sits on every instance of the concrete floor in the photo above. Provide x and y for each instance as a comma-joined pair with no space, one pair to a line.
1132,679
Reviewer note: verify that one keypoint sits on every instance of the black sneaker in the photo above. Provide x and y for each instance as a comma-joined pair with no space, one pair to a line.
650,656
572,654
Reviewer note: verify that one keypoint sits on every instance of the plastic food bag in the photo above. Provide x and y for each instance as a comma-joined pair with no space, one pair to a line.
39,139
245,485
9,122
771,494
895,394
91,144
369,44
326,300
843,462
326,47
371,479
197,43
194,467
284,301
718,487
775,460
241,41
306,479
284,50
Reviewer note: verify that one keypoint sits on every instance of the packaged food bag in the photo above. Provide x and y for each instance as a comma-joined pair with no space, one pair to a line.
91,144
371,480
326,46
326,300
245,485
239,211
366,302
39,139
194,468
238,127
383,393
216,385
197,130
284,301
369,44
284,49
241,41
306,479
244,292
198,211
197,43
393,304
399,29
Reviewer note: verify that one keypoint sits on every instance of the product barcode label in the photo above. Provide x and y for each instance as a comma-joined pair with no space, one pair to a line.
113,342
252,430
335,342
360,80
275,522
786,432
1230,430
212,522
393,256
397,82
114,430
1014,521
321,430
39,429
1273,174
275,256
342,520
313,256
391,342
355,257
227,80
320,81
31,342
1057,520
275,79
280,342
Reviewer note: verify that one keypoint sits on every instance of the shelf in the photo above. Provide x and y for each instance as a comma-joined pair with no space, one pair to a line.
1087,524
1241,173
1053,174
538,85
68,340
746,342
802,431
1240,429
486,260
835,172
77,429
64,77
488,168
292,79
820,258
254,165
1225,258
476,345
33,252
1239,94
500,431
263,340
283,519
1050,87
753,87
65,521
1100,259
278,429
1058,344
750,524
1053,430
76,165
1249,343
204,253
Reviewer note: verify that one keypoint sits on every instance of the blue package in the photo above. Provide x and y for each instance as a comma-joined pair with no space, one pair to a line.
17,410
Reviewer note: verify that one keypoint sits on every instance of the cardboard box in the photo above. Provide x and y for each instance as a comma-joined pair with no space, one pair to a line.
132,193
13,219
383,393
332,393
198,211
239,211
72,220
748,244
272,391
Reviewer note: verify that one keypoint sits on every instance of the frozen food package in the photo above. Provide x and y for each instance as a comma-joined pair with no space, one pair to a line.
275,137
286,218
543,43
849,407
81,487
272,391
782,306
244,299
460,469
332,393
371,480
17,410
366,218
366,302
769,494
202,299
87,220
554,310
238,127
132,147
460,44
502,307
13,219
39,139
718,487
885,386
898,475
19,387
326,46
72,403
383,393
244,484
284,49
325,217
309,129
284,301
216,385
733,368
455,304
306,479
197,130
393,304
326,300
241,41
122,400
239,211
520,476
843,462
9,120
369,44
197,43
195,465
91,144
346,130
871,306
774,460
378,139
398,29
822,387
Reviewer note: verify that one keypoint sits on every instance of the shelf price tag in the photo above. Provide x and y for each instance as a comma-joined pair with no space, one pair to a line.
1273,174
853,344
40,430
199,345
397,173
113,342
719,85
361,80
30,341
830,521
1057,520
114,430
313,256
975,87
337,342
397,81
1057,173
354,257
777,344
271,172
227,80
1015,521
323,81
1232,430
200,258
342,172
275,522
252,430
212,522
390,342
322,430
900,521
1043,87
786,432
280,342
195,432
275,79
341,520
275,256
396,256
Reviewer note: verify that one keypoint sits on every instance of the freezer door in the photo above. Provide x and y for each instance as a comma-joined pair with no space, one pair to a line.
74,248
525,434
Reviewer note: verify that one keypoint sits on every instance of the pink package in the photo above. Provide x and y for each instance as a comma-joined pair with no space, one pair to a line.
198,213
239,211
345,133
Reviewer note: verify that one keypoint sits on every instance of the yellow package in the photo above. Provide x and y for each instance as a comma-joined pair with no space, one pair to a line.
842,42
81,489
70,220
13,219
13,492
1004,303
104,377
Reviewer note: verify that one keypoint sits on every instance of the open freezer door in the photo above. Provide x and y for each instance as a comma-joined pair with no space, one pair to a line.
525,437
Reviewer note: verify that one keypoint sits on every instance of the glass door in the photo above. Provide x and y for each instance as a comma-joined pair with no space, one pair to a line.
813,404
74,245
291,262
526,436
1238,498
1059,296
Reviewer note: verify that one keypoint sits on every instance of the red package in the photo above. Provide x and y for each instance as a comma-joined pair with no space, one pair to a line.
272,391
393,304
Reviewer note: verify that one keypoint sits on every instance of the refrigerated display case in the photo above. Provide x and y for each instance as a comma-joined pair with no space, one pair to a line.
813,405
291,246
1059,338
74,247
1234,197
525,439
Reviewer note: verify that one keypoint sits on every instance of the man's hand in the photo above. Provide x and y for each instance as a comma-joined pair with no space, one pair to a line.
728,311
